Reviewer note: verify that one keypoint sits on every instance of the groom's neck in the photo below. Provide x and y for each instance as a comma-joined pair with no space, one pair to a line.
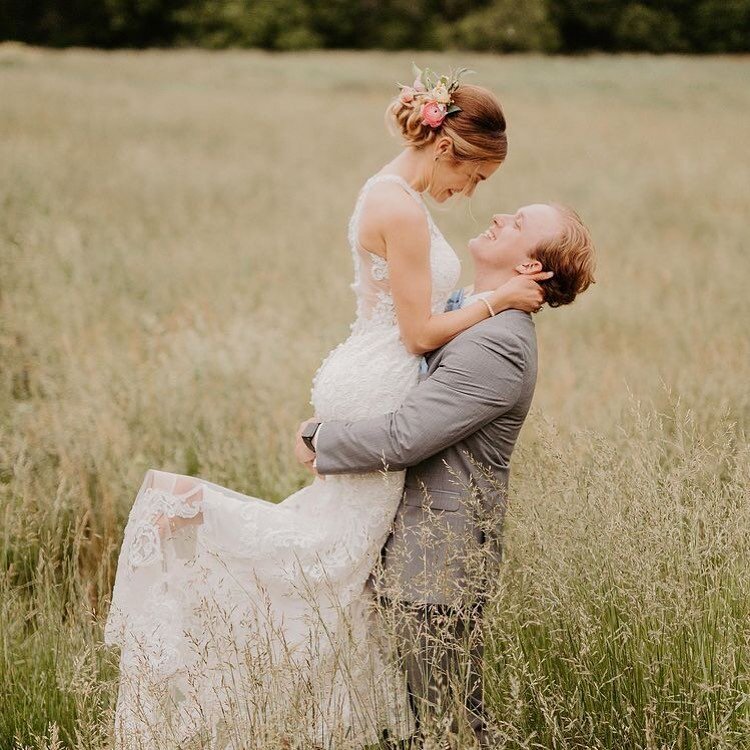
488,279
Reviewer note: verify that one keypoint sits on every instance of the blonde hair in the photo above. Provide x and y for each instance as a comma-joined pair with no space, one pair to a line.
477,131
570,256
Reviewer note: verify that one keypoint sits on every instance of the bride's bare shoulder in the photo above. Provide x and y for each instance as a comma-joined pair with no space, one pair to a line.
387,207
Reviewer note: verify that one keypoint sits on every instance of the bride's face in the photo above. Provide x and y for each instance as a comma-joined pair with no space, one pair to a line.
462,177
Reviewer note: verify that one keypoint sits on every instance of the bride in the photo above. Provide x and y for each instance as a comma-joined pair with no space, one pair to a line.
244,623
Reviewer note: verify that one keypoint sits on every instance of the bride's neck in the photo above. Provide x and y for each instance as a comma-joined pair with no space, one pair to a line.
414,166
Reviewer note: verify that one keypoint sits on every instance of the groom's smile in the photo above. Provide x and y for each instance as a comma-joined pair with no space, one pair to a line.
517,233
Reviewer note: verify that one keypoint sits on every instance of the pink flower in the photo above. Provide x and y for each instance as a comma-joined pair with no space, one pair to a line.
407,94
418,85
433,114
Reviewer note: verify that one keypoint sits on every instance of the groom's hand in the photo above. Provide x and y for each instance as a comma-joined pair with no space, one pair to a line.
301,452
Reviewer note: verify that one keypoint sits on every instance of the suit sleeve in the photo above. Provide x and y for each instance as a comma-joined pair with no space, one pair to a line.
475,383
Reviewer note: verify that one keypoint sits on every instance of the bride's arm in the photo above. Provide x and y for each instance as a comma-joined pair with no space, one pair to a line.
407,242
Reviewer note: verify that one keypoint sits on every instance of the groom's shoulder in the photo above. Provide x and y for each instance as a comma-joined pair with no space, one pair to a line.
510,333
509,336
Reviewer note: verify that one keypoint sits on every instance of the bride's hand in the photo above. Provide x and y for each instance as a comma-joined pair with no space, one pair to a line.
163,524
169,525
522,292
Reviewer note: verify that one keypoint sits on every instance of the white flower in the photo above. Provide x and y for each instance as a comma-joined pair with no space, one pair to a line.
440,94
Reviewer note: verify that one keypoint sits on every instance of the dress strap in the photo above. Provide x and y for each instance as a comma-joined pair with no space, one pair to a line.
397,178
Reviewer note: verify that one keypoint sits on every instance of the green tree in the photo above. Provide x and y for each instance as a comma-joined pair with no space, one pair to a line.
141,23
713,26
399,24
644,29
720,26
57,24
268,24
585,24
508,26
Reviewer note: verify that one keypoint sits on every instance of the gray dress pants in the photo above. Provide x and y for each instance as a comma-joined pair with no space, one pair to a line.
442,652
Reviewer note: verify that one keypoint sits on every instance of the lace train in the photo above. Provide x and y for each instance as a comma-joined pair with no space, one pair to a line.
218,628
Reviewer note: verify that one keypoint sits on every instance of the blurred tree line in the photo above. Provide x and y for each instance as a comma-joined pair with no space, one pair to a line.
566,26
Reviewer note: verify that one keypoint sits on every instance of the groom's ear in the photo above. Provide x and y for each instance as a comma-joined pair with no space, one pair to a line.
530,267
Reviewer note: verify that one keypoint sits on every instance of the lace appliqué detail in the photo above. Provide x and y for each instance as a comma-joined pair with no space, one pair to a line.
379,269
156,640
384,310
146,546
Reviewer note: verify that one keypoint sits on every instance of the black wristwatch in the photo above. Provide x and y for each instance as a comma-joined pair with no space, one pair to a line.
308,433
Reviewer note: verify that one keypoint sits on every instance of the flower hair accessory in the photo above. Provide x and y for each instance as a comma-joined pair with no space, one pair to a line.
435,92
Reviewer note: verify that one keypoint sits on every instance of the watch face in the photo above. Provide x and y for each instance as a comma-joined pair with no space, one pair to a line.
310,429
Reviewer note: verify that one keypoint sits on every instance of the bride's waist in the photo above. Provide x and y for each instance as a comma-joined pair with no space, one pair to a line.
365,375
367,336
377,328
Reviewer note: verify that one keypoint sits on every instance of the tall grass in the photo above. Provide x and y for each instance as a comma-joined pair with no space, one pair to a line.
173,267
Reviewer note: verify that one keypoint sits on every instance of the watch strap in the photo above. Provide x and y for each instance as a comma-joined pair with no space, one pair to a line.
308,435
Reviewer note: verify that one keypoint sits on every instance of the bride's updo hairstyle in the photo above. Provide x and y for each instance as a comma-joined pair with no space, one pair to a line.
477,130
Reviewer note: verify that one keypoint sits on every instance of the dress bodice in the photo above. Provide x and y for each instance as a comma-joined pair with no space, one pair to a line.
371,371
371,284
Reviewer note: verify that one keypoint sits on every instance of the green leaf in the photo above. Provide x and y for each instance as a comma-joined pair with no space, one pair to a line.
462,72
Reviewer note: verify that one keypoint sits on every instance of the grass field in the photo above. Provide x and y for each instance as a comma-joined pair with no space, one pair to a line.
174,267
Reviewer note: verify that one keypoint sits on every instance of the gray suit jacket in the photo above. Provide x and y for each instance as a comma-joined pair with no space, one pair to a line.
454,433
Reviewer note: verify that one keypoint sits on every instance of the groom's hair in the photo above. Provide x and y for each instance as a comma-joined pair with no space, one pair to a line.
570,256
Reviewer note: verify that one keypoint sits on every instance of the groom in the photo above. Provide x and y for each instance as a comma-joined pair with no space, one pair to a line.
454,434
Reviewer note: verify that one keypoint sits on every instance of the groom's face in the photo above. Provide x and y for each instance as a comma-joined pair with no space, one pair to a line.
512,238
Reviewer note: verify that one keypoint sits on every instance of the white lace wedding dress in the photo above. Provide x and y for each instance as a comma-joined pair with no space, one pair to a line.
253,625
